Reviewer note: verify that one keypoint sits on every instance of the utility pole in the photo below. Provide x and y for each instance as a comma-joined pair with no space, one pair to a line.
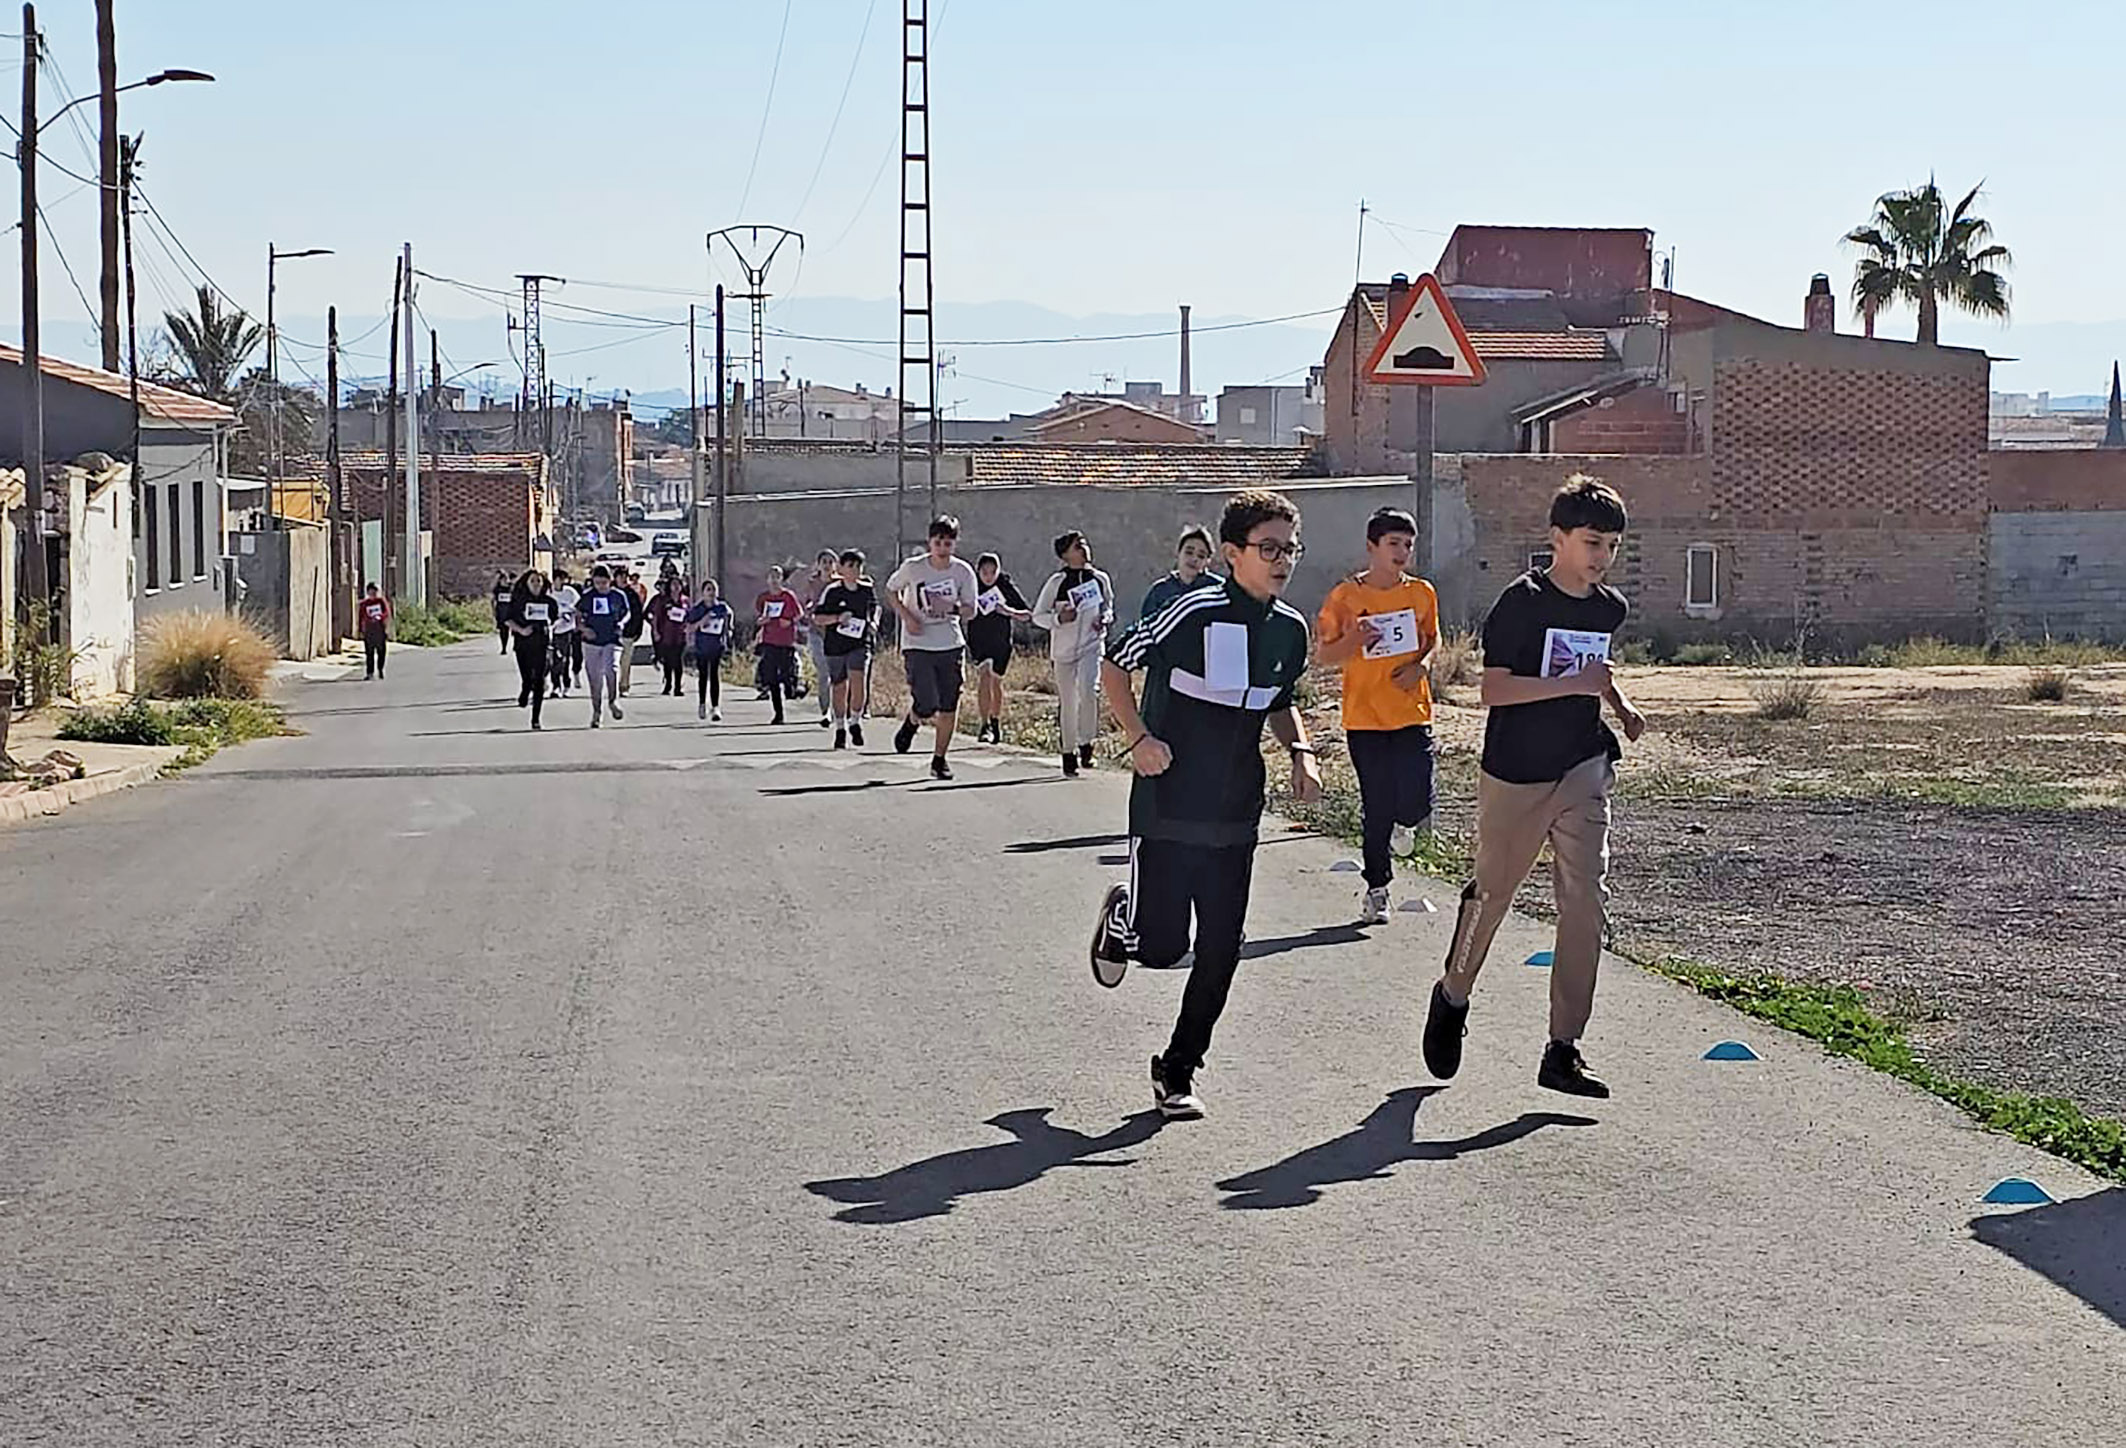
435,411
129,151
417,571
342,591
697,510
108,141
723,471
915,267
36,581
757,293
394,573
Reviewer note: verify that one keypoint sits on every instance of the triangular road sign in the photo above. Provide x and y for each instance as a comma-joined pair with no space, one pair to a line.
1425,343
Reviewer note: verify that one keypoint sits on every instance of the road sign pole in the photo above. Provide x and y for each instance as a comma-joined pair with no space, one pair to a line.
1421,464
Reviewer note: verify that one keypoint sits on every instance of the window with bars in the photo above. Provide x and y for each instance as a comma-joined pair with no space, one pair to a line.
199,528
153,550
177,535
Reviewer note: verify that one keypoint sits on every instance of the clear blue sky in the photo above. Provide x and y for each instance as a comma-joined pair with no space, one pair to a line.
1098,157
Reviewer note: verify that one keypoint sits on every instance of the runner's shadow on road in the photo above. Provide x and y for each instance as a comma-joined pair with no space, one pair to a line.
2074,1243
911,784
1320,935
933,1186
1074,842
1371,1152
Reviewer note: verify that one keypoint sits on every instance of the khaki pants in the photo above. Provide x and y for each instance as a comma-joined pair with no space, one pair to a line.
1078,700
1512,823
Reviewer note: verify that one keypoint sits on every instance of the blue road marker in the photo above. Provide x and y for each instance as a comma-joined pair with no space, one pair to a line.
2018,1192
1540,958
1731,1051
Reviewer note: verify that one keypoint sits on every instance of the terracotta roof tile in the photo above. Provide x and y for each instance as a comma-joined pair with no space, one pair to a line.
1580,346
166,403
1210,465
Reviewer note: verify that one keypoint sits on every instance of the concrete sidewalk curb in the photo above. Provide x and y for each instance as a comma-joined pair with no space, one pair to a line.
37,802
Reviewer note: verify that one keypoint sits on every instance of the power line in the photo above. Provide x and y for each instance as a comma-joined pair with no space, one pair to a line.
95,317
835,125
171,231
767,108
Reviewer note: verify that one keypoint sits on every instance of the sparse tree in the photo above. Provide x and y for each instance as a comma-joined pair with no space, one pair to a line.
212,343
295,419
1917,251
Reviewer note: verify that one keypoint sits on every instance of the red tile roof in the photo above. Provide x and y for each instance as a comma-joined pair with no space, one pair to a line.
1578,346
1210,465
166,403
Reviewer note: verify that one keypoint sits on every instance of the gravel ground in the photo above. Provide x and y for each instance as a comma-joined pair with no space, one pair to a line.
2001,926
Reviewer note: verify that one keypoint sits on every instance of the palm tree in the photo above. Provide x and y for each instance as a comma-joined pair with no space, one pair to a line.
1916,254
212,344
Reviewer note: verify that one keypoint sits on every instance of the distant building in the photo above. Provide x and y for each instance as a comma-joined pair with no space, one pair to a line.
1273,416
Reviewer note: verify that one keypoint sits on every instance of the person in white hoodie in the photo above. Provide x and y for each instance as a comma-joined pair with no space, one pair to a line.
1076,606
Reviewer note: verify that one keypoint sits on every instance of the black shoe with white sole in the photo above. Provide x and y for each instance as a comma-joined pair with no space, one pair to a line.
904,736
1564,1069
1445,1025
1173,1093
939,769
856,734
1110,948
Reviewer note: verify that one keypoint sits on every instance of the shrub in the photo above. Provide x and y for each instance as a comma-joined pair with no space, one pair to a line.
1705,653
1460,659
1635,651
134,722
1929,652
419,628
43,672
1785,695
2045,684
201,653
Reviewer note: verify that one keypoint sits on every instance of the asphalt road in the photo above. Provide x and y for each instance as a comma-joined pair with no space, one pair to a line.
425,1081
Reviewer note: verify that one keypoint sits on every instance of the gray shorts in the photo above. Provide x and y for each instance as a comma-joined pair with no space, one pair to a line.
841,666
933,680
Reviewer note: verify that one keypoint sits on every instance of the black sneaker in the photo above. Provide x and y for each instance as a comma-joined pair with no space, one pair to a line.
1172,1093
841,739
616,712
1085,755
825,722
904,736
1445,1025
1564,1069
856,733
1070,765
939,769
1110,953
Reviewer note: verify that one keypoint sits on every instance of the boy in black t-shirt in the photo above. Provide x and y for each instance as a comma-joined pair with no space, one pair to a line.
1218,661
1549,764
845,620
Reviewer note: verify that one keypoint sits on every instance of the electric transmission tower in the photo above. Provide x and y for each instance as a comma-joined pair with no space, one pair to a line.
918,330
756,292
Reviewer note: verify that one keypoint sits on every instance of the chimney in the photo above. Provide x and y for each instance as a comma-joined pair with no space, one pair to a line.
1184,353
1819,312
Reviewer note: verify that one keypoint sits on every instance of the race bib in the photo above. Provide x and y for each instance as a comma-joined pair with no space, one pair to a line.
715,623
939,597
771,610
1568,651
374,612
1086,597
676,614
991,601
600,604
1390,635
1225,657
851,627
536,613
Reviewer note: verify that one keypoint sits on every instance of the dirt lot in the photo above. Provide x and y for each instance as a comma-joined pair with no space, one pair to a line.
1927,834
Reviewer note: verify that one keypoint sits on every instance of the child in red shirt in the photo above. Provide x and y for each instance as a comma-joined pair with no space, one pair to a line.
777,611
373,616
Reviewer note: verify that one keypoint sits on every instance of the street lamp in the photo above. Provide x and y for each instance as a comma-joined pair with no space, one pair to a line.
37,576
273,363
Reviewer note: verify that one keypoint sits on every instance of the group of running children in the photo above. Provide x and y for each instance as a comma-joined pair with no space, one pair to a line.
1221,656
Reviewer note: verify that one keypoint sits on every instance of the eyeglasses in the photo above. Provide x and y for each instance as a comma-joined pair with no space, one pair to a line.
1273,551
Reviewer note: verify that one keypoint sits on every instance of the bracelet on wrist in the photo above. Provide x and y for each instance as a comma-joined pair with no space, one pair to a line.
1131,747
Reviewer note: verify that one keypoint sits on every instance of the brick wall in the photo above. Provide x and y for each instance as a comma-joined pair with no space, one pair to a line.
484,521
1643,422
2058,573
2046,479
1848,579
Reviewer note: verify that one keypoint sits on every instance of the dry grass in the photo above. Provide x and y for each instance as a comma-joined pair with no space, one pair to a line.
1785,695
1460,659
203,655
2046,684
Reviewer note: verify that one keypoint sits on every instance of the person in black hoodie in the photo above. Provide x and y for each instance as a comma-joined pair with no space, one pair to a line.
505,593
531,618
989,641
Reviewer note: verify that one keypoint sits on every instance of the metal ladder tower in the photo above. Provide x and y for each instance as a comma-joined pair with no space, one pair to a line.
918,334
756,292
532,400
